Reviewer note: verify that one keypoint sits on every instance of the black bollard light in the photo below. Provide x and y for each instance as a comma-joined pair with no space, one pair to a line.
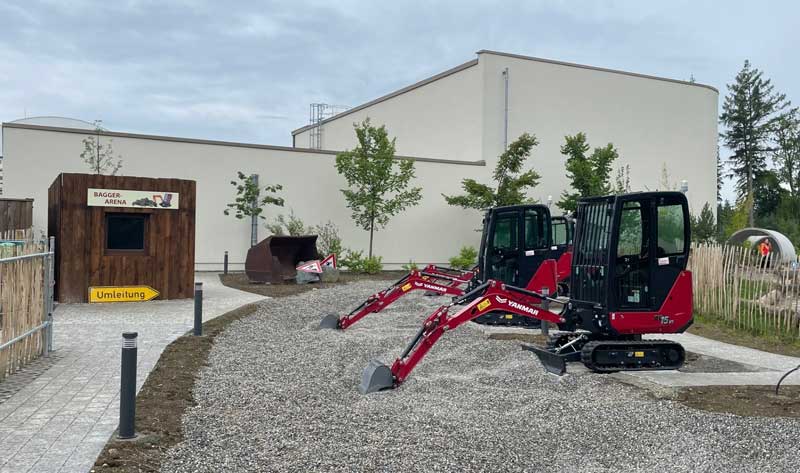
198,309
225,264
127,389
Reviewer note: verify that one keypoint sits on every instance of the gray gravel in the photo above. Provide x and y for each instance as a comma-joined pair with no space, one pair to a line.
280,395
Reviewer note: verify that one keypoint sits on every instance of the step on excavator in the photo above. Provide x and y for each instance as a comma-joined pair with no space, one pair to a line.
520,244
628,279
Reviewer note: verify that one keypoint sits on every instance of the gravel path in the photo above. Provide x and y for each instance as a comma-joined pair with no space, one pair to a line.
281,396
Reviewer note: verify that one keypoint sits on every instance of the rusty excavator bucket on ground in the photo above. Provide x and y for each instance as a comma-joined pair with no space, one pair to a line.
275,258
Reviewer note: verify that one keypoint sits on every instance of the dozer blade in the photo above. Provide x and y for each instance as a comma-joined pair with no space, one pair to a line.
330,321
552,362
376,377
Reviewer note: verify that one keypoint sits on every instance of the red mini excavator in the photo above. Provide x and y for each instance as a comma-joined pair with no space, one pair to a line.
628,278
520,245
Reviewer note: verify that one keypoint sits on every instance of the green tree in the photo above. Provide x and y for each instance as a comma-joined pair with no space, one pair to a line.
511,181
740,215
724,217
250,203
787,154
589,175
704,228
99,157
750,113
720,172
622,181
767,195
378,183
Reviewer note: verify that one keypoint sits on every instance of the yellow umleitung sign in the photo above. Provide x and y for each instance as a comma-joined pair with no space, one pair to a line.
122,293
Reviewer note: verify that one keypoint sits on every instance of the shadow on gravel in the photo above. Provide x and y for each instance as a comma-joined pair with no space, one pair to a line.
166,394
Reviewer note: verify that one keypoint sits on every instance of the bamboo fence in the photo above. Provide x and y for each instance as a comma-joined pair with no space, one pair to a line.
22,303
738,286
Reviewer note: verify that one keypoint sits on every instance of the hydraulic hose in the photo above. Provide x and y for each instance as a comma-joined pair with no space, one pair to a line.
778,386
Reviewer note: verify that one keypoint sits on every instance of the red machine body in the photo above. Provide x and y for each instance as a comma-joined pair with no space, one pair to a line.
628,278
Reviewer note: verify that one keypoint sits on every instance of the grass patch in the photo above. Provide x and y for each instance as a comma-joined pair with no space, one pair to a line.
722,330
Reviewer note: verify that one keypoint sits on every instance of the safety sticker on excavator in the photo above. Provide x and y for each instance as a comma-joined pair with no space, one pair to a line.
484,304
406,287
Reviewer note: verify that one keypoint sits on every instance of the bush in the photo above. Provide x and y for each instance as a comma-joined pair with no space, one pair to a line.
355,262
352,261
373,265
411,266
294,226
466,259
328,239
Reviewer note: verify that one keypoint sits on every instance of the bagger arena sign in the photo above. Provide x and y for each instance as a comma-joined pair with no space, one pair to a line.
136,199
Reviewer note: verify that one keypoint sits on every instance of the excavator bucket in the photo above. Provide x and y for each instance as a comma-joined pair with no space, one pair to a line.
275,258
330,321
552,362
376,377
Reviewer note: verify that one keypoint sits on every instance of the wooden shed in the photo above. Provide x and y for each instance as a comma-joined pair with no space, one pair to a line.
122,231
15,214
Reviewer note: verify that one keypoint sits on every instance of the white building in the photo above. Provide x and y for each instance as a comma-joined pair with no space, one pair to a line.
453,125
463,114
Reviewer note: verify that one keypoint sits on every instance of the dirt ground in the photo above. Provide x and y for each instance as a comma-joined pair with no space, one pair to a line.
751,401
160,404
239,281
755,401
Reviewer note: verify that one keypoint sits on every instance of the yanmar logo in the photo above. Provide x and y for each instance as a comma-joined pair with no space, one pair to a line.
517,305
431,287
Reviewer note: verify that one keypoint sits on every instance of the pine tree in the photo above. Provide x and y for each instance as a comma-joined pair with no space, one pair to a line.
750,113
704,228
724,218
787,154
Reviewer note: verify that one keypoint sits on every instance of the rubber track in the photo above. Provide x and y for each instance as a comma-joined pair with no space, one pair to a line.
588,349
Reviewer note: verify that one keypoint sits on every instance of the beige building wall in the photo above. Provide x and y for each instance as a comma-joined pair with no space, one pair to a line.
439,118
430,232
653,122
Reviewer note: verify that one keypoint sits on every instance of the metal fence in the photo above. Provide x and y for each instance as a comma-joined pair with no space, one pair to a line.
738,286
26,302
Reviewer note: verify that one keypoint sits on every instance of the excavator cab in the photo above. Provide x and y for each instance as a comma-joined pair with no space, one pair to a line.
516,240
563,230
630,252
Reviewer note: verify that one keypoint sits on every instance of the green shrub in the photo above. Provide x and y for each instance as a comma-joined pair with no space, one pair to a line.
328,239
411,266
355,262
293,226
372,265
466,259
352,261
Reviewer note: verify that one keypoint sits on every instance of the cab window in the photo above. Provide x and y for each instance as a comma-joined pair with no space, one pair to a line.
536,229
670,230
505,232
560,232
630,230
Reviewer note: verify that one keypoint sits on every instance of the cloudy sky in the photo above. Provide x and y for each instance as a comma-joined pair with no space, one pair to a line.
247,71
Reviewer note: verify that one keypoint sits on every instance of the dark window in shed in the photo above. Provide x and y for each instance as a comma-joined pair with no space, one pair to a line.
126,232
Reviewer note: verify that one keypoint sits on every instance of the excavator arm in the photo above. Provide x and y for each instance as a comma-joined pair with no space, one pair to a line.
490,296
414,281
